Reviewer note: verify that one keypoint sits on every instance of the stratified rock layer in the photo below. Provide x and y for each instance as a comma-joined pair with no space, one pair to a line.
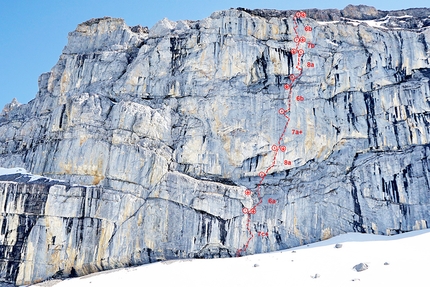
154,135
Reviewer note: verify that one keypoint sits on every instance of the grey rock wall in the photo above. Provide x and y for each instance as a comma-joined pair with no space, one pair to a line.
153,136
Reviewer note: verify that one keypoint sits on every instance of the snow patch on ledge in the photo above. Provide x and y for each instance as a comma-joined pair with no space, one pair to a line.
377,23
4,171
331,42
328,22
23,171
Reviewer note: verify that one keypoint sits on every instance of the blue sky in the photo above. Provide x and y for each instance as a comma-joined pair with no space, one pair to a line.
34,32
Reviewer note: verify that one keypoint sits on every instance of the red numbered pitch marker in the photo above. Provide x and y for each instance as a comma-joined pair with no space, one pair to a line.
253,211
303,14
302,39
247,192
283,148
287,87
293,51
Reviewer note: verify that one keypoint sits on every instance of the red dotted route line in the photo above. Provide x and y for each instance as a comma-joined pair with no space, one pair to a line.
276,148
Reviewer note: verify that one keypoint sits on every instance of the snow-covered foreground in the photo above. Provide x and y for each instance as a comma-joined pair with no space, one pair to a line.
392,261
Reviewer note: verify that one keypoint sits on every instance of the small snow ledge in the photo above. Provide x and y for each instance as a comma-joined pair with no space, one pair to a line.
4,171
23,175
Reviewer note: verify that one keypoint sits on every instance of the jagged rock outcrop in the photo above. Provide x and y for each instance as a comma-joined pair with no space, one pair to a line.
151,138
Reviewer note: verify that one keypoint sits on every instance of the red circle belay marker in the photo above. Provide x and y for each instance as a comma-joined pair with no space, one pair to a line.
300,44
271,201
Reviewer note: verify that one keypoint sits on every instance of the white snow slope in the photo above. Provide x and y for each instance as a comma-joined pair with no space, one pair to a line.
400,260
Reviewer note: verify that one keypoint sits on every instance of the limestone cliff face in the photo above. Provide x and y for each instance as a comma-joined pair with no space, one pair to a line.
153,136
